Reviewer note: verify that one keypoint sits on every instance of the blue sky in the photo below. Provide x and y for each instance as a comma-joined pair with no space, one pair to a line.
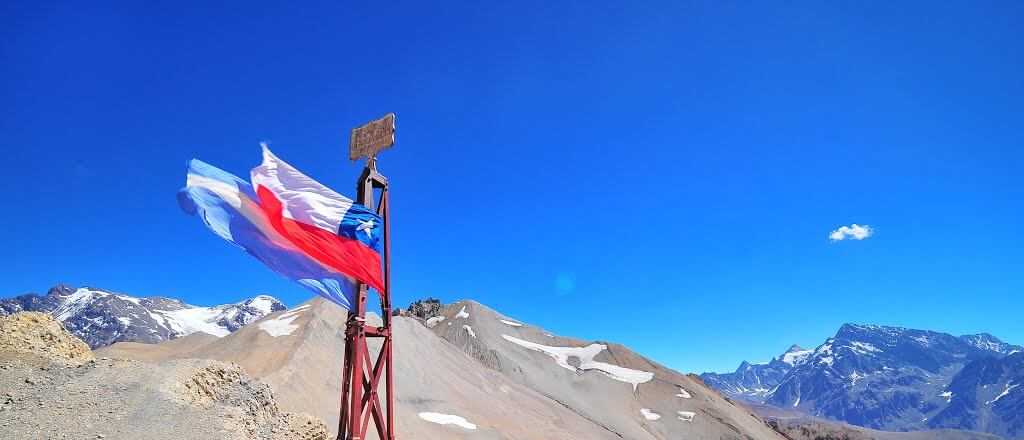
661,175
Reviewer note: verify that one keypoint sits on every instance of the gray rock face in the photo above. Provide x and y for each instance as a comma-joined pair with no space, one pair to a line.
986,396
753,382
101,317
896,379
425,308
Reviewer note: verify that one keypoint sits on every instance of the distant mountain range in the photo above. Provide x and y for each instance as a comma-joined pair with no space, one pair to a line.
753,382
886,378
895,379
100,317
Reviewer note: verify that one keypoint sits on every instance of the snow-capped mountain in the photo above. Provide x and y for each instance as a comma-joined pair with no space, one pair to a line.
753,382
889,378
101,318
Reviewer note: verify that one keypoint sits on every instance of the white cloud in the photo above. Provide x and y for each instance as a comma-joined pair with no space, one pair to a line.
854,231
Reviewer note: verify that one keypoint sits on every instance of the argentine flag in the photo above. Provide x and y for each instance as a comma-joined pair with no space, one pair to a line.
293,224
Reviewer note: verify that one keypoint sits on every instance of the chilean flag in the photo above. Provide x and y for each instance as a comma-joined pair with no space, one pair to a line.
292,223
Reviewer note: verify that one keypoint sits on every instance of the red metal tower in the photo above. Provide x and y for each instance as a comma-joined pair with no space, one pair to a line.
361,386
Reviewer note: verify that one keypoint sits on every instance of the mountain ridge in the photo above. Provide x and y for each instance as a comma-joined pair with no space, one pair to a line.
967,382
898,379
503,387
101,317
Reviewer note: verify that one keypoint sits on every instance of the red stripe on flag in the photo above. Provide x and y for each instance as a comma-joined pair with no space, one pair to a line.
343,254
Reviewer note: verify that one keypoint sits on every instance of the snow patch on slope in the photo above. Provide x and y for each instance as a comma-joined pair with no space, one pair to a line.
864,348
649,415
462,313
512,323
1006,391
793,358
446,419
196,319
191,319
282,325
132,300
76,302
586,355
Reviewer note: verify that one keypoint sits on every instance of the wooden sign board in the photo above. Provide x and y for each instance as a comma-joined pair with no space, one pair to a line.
368,140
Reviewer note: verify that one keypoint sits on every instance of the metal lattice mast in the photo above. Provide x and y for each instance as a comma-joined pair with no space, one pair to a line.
361,378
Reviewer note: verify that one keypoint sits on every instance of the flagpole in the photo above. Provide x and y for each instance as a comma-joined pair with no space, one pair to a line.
386,310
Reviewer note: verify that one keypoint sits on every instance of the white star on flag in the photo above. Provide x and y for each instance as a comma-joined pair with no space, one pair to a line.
366,227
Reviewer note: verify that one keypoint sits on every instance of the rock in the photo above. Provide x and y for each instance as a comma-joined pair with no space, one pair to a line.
41,334
425,308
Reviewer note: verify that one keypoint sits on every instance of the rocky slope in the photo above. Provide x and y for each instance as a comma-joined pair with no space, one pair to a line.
753,382
498,388
51,386
101,318
986,395
606,383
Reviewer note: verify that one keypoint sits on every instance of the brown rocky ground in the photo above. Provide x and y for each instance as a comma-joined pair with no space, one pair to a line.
52,387
813,429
